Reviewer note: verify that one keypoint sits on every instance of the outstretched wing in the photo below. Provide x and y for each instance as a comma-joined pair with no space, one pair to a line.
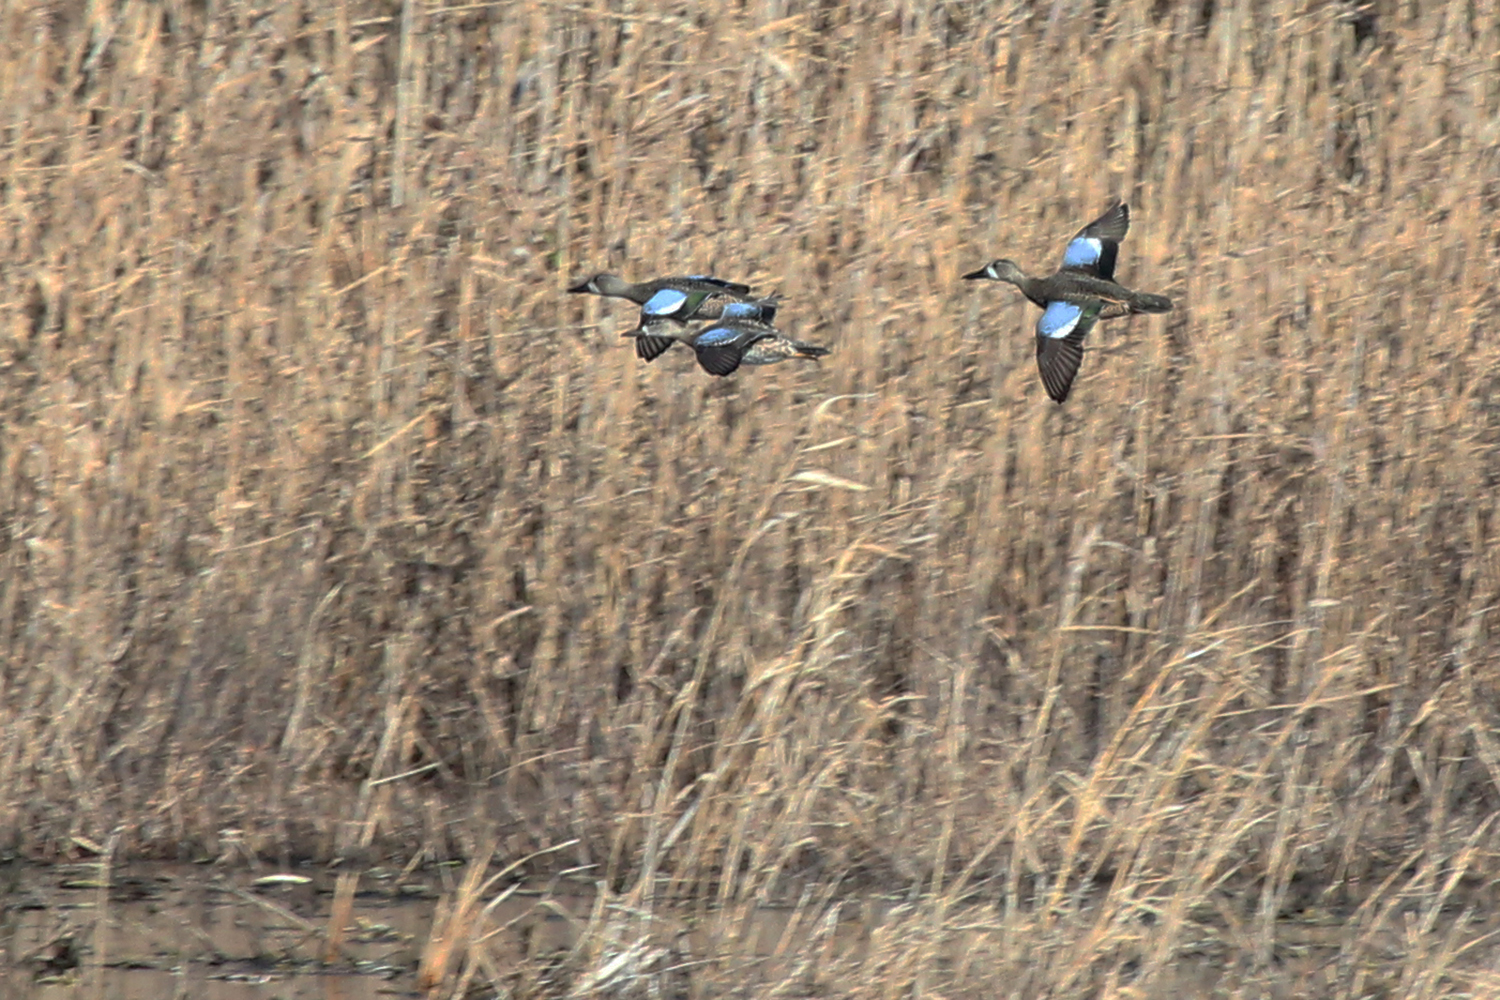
1059,343
1094,249
720,349
761,309
649,348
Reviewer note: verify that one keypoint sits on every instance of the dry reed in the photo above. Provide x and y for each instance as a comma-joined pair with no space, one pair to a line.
331,520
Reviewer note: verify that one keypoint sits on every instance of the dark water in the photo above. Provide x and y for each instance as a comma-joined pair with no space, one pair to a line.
176,930
165,930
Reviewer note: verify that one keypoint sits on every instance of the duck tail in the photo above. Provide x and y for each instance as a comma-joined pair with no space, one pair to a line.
808,352
1145,302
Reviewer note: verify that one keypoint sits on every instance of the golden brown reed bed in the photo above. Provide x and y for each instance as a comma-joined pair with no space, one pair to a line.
313,477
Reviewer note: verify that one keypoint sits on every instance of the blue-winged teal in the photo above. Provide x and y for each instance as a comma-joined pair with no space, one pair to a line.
671,306
680,299
640,292
770,350
737,338
1081,292
695,296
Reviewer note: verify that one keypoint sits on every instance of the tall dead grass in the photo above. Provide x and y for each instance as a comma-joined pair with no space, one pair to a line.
331,524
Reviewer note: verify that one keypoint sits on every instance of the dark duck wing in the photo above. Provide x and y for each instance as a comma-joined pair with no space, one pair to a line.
1059,343
720,349
1094,249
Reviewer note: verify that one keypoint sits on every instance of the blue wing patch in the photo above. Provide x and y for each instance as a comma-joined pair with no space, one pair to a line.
716,335
1084,251
750,310
1060,318
667,302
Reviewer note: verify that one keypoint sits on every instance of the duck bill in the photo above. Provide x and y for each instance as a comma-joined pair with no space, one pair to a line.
582,286
983,272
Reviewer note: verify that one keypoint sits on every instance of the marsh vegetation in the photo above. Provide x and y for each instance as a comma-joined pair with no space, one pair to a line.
333,527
